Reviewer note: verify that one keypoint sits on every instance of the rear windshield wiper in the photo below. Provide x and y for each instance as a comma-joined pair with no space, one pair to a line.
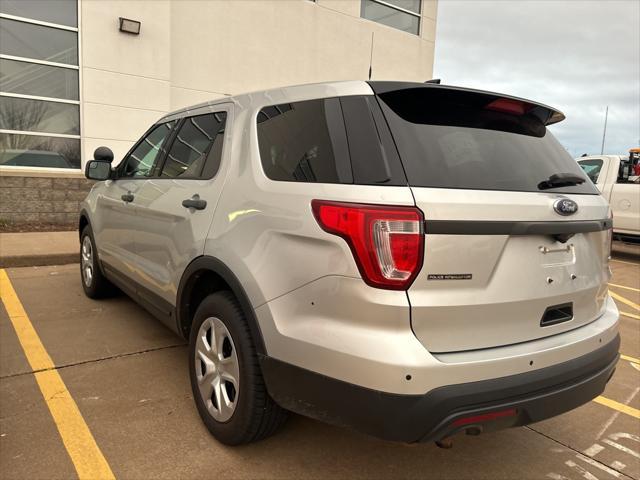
561,180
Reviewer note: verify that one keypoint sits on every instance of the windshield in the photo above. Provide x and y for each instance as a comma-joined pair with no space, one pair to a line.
446,140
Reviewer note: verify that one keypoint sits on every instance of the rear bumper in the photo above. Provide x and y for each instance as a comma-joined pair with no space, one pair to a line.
534,396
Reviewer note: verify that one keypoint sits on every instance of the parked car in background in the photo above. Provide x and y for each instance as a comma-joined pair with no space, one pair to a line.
411,260
615,177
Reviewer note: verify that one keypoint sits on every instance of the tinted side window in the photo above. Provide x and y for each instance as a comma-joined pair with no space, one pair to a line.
198,142
304,142
374,158
142,161
592,168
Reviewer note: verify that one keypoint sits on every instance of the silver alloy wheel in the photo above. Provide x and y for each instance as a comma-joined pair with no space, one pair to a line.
217,369
86,259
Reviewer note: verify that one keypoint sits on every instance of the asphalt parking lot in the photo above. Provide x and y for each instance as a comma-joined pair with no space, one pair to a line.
127,374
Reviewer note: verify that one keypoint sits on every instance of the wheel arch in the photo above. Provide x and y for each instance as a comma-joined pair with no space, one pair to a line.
206,275
83,221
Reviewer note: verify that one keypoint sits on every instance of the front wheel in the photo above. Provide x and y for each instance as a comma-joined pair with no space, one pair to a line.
94,283
226,380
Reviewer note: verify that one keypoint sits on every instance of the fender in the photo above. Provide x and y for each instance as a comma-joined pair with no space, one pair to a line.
206,263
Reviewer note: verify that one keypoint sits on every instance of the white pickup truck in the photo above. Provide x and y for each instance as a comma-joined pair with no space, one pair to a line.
613,175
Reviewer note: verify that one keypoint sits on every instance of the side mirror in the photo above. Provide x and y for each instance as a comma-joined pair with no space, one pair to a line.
98,170
103,154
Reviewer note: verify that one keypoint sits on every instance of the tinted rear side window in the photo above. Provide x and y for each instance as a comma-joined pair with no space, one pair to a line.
449,139
304,142
334,140
374,158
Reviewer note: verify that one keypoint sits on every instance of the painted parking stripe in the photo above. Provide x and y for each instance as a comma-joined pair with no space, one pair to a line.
85,454
630,315
624,287
621,407
622,448
630,359
624,300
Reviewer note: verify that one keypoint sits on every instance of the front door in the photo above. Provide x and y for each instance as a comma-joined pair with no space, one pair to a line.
118,204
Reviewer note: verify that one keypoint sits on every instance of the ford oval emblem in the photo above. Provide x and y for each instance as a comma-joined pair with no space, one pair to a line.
565,206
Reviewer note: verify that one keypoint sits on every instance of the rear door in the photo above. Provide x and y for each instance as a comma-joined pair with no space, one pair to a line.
508,257
175,209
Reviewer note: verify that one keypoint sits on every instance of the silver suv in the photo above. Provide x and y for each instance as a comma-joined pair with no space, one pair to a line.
411,260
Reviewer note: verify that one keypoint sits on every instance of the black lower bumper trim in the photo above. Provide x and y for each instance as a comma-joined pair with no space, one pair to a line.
534,396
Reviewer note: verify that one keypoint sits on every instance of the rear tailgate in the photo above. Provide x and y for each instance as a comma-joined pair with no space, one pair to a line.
512,253
488,287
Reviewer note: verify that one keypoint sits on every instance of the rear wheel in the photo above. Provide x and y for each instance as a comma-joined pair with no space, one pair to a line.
226,380
94,283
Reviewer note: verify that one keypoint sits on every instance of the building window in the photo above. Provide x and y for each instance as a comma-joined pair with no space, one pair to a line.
400,14
39,84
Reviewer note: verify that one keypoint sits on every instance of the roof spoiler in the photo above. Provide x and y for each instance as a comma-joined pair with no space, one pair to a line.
493,101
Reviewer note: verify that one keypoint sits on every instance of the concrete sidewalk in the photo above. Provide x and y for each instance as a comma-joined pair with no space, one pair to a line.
38,248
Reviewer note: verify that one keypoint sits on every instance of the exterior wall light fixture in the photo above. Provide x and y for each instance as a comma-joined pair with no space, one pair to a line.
129,26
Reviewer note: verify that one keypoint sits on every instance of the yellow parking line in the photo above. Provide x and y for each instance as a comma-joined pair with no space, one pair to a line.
630,315
85,454
621,407
624,286
626,301
630,359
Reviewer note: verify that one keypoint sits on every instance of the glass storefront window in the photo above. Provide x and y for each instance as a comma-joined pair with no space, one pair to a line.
39,84
27,40
38,151
391,16
63,12
412,5
39,80
39,116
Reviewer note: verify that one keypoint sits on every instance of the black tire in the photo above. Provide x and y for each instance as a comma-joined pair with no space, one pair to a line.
256,415
98,286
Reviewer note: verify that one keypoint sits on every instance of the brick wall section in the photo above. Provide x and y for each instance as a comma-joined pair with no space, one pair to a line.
25,200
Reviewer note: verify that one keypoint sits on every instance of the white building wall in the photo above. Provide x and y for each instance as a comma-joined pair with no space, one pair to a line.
190,51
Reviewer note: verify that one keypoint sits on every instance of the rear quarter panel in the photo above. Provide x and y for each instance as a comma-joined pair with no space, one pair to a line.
264,230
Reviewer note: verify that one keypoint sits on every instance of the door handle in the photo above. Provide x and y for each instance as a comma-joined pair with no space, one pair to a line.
127,197
195,202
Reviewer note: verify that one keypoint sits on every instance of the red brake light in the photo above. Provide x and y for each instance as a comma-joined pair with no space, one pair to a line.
507,105
387,242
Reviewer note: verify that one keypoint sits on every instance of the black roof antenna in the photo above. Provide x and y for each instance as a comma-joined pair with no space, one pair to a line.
433,80
371,57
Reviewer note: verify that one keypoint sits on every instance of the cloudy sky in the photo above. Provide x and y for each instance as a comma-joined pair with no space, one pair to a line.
578,56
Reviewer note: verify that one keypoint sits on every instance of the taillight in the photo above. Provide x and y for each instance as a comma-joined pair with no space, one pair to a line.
387,242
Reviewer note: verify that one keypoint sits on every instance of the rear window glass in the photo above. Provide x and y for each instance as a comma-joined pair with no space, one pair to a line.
449,139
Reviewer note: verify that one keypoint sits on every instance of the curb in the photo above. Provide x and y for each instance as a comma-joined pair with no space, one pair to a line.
39,260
